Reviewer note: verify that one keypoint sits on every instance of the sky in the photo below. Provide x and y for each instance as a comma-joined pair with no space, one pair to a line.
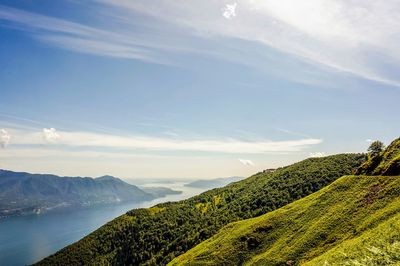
193,89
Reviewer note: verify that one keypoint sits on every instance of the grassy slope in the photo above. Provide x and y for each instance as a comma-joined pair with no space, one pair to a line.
377,246
353,210
385,163
155,236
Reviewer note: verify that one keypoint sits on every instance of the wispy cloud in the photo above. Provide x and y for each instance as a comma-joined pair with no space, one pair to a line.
90,140
338,35
77,37
357,38
98,47
246,162
4,138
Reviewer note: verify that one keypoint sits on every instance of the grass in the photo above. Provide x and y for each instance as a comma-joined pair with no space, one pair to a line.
353,221
377,246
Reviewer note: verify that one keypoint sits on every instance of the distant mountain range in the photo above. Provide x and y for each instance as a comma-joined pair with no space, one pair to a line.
160,192
214,183
24,193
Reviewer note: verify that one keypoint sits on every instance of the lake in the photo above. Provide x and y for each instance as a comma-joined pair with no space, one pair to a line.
27,239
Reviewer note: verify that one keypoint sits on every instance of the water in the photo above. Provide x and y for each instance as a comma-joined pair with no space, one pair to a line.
27,239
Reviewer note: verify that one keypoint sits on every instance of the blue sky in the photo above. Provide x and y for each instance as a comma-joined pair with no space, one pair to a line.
177,89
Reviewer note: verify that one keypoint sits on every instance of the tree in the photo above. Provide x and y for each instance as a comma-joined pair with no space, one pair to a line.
376,147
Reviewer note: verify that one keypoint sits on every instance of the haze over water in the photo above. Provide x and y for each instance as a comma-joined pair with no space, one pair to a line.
27,239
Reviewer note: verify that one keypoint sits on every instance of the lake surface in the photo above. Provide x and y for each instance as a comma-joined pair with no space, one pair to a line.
27,239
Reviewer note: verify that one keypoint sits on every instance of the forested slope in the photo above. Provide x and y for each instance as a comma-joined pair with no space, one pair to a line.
156,235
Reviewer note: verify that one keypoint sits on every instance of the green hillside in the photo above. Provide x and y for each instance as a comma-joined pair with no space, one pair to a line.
377,246
353,221
156,235
386,162
343,221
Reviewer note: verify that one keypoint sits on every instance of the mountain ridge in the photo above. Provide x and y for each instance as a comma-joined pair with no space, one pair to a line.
213,183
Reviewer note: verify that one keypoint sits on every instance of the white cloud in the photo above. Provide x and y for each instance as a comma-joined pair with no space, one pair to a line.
4,138
317,154
51,135
90,140
369,140
229,11
246,162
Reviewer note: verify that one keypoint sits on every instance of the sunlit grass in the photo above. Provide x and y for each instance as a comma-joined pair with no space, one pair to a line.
354,220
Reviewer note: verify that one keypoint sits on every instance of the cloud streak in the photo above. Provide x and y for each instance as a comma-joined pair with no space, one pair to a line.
90,140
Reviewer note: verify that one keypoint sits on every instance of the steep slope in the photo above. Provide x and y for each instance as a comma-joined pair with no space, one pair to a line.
378,246
338,223
385,163
156,235
22,193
